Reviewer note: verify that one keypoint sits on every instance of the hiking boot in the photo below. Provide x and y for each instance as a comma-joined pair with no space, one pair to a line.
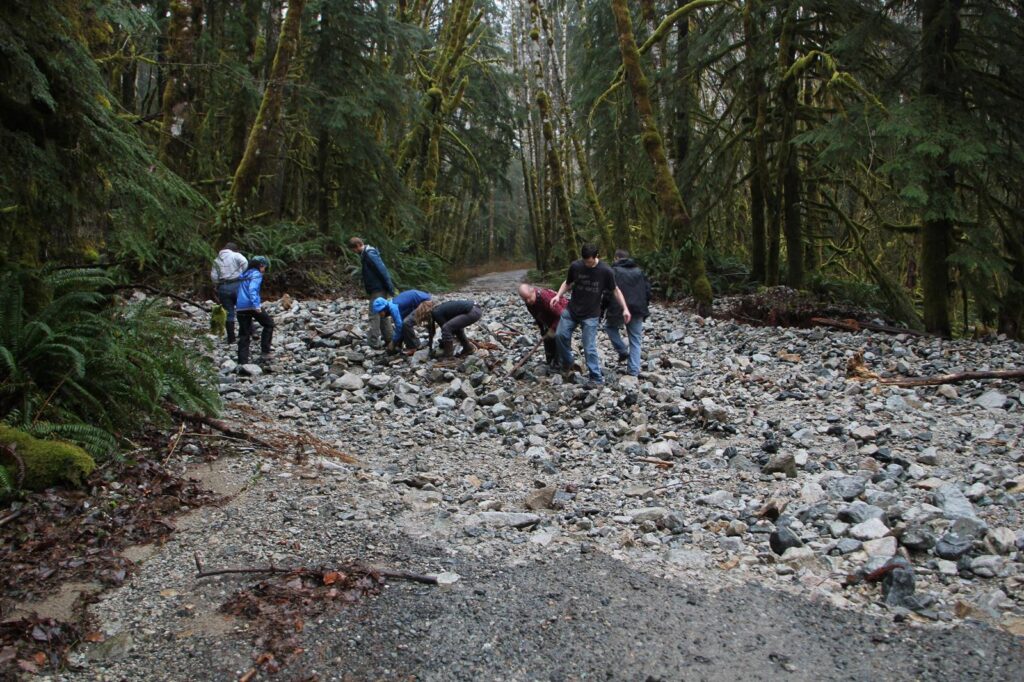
447,348
468,349
623,357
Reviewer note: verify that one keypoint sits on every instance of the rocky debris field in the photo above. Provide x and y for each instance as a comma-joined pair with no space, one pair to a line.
742,462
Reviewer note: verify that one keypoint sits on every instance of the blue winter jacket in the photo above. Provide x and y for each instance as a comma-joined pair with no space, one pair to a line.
402,306
249,290
375,274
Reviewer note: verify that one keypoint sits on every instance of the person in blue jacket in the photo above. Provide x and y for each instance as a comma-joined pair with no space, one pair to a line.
378,284
401,309
250,308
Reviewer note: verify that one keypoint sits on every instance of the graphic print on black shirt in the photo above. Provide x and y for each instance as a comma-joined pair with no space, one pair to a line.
588,285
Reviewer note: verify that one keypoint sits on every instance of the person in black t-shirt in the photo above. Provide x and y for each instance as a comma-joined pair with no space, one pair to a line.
588,279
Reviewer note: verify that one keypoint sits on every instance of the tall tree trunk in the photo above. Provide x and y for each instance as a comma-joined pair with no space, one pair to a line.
683,93
789,158
756,96
679,229
940,25
265,128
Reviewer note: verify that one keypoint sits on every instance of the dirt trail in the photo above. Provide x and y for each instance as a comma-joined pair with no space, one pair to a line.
526,606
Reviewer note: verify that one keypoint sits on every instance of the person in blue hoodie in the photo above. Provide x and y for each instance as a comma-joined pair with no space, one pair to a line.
250,308
400,309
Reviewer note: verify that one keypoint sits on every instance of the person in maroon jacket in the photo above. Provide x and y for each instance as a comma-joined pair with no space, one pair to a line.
546,314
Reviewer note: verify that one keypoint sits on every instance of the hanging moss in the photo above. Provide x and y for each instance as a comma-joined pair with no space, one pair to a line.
535,35
47,462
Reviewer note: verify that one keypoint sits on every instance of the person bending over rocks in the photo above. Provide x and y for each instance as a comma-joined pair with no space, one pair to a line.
540,303
250,308
589,280
453,317
401,309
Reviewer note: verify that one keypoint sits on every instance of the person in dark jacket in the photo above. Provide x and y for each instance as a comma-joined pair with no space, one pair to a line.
401,309
453,317
378,284
636,289
250,308
539,302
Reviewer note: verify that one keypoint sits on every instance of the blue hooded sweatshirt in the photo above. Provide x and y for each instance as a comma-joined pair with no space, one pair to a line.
400,307
249,290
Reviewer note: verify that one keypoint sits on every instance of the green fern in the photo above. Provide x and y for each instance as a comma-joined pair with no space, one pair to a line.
79,364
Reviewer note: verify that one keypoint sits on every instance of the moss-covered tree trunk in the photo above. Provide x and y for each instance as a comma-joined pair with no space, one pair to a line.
756,104
678,220
266,128
789,158
940,25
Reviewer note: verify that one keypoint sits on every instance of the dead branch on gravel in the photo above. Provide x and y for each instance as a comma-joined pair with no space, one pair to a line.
856,369
852,325
529,354
660,463
953,378
217,425
328,575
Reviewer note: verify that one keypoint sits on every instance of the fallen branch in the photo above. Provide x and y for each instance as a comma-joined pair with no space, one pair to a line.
519,365
10,517
663,463
161,292
304,571
952,378
852,325
216,424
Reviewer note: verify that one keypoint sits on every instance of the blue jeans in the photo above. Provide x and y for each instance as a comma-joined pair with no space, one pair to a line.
228,295
566,326
635,331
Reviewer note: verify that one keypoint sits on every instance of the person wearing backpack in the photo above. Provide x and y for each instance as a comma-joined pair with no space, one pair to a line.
636,289
225,274
250,308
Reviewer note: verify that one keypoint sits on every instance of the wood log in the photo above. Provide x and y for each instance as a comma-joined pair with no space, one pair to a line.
952,378
852,325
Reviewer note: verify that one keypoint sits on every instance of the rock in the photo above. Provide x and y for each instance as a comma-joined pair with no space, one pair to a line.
782,463
662,449
348,382
953,503
654,514
882,547
250,370
898,583
1001,540
443,403
917,539
719,498
872,529
864,433
948,392
847,487
783,539
542,498
991,400
687,558
504,519
801,558
859,512
988,565
952,546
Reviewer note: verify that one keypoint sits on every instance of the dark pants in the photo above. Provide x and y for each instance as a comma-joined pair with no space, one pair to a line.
409,338
245,318
551,351
455,327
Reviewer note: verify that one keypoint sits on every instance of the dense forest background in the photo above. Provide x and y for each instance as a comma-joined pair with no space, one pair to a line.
868,151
